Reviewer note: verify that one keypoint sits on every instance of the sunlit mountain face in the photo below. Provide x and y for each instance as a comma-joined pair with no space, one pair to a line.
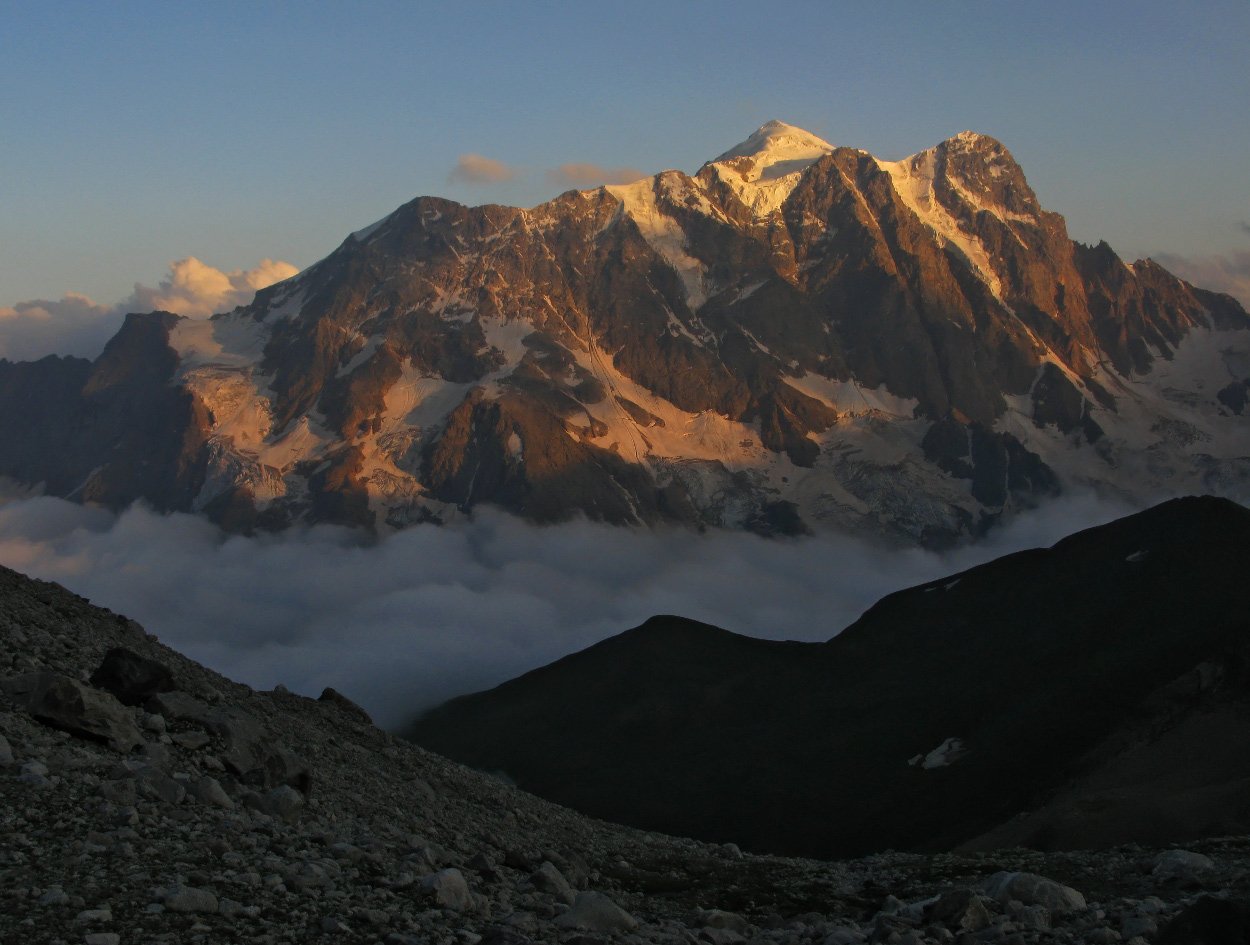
800,337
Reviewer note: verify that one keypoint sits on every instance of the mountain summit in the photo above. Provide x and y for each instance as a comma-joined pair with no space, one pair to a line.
799,336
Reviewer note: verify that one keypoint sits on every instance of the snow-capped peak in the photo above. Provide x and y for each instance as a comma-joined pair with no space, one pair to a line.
774,143
776,154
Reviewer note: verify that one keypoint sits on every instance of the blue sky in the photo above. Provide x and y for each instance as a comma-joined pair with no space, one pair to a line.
134,134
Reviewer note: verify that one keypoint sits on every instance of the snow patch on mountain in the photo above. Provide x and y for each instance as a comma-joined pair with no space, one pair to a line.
913,181
663,234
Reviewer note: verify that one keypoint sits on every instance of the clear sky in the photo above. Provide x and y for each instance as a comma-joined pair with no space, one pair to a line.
134,134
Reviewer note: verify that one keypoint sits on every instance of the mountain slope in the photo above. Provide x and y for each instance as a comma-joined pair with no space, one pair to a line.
181,838
798,336
1000,685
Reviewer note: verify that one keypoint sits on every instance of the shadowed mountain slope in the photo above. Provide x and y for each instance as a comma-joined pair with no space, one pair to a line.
1046,667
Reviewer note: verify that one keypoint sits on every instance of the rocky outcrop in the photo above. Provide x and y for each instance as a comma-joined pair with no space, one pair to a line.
793,327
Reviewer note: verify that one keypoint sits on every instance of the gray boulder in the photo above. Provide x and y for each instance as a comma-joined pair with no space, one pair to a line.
547,878
595,912
1033,890
283,802
448,889
190,899
1182,866
344,704
67,704
209,791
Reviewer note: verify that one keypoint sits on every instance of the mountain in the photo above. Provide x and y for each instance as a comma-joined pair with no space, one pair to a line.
145,798
799,336
1087,694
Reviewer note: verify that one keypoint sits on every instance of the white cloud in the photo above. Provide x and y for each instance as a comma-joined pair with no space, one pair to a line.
476,169
76,325
405,622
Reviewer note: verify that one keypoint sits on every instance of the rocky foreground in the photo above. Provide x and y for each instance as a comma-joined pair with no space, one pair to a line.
203,811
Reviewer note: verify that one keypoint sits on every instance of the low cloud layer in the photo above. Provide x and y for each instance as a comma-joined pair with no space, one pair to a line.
76,325
1229,273
476,169
592,175
406,622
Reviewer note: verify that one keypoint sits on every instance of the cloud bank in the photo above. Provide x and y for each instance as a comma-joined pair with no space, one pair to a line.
76,325
476,169
592,175
403,623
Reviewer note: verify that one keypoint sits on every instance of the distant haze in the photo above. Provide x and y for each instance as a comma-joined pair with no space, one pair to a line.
405,622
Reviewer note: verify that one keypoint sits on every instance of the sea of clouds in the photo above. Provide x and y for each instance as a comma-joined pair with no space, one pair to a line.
402,622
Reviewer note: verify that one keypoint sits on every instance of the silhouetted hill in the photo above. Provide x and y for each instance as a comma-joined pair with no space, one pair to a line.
1047,666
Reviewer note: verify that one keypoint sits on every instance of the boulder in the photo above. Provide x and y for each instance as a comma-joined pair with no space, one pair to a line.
209,791
1033,890
341,702
547,878
190,899
595,912
960,910
132,678
67,704
448,889
1182,866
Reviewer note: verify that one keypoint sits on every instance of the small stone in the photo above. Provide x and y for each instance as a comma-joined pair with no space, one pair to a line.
595,912
54,896
190,899
154,723
155,784
1134,926
96,915
449,889
209,791
283,802
191,741
1182,866
960,910
101,938
719,919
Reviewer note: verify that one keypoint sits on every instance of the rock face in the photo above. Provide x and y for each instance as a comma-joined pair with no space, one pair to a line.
1054,698
396,845
798,336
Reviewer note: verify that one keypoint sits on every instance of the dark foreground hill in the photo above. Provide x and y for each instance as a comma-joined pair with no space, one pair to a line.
211,813
1101,684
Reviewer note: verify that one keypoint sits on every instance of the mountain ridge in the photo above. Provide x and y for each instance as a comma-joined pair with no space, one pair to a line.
907,349
938,718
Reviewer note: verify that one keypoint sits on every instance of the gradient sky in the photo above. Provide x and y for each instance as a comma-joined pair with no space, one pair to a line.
133,134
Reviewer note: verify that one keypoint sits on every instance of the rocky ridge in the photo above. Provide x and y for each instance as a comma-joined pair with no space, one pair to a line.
209,812
798,336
